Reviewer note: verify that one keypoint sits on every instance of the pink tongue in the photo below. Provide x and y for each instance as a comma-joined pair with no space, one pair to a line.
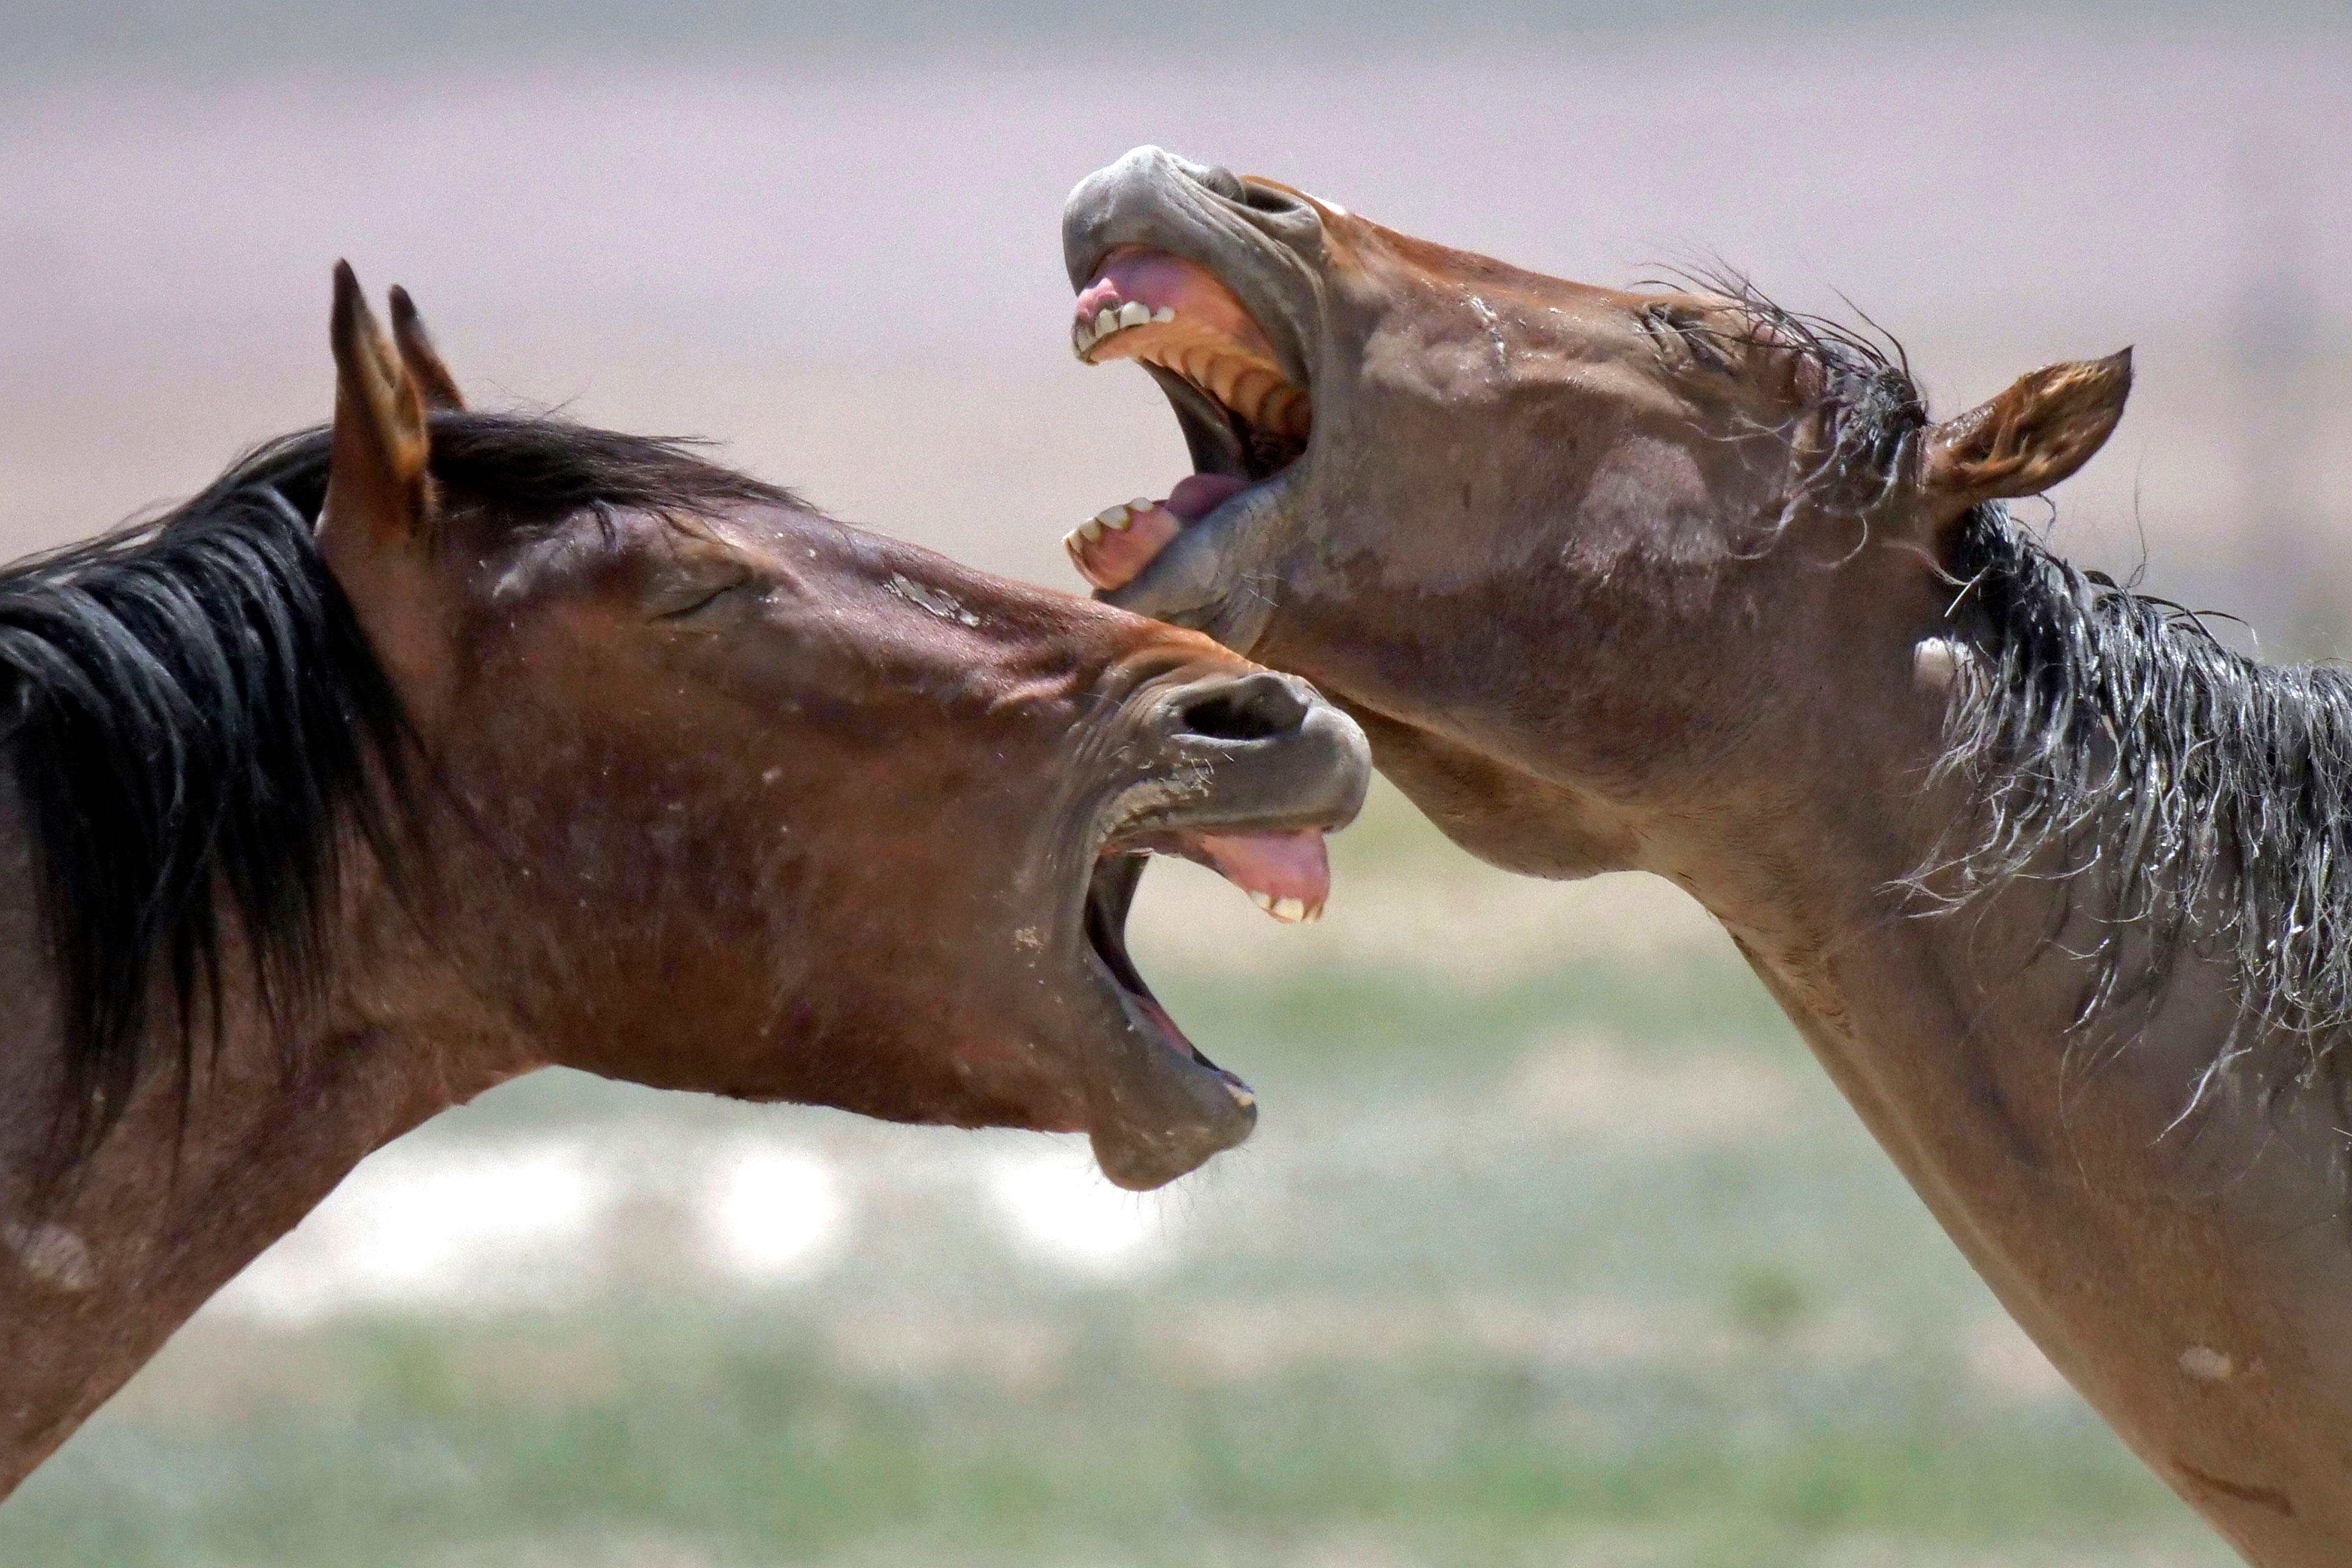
1197,495
1278,865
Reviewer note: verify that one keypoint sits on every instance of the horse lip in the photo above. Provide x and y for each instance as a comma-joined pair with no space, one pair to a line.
1156,1108
1151,199
1166,1116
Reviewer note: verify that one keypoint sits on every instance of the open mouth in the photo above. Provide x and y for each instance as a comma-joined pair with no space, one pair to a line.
1244,418
1288,874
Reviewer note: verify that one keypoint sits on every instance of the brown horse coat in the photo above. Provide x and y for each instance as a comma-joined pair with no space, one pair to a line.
563,747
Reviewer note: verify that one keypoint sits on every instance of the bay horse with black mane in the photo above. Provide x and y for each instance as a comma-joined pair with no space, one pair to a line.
437,746
2058,887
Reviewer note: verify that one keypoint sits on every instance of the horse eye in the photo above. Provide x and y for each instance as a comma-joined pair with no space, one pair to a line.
691,598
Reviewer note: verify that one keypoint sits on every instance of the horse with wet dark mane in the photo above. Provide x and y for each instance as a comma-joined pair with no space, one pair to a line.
436,746
2058,887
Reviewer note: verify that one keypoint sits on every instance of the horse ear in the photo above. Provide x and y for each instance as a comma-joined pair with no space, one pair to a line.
379,492
434,382
2046,426
376,532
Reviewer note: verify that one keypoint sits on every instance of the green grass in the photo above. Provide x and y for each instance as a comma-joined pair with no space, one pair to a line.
747,1437
1341,1022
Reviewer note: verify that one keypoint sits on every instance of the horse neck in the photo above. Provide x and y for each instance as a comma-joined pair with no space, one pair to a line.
96,1273
1960,1033
2124,1219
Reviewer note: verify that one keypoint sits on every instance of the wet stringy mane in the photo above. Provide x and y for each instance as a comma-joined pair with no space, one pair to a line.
2207,797
200,736
2196,801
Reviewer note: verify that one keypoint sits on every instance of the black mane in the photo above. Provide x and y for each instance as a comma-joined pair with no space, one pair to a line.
201,736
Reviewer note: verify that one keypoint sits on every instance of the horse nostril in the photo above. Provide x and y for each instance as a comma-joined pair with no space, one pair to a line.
1215,176
1249,707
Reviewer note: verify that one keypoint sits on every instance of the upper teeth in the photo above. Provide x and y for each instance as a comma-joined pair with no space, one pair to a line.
1115,318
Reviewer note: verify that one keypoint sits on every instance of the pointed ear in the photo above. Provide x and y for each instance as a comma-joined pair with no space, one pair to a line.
2024,441
379,492
434,382
378,531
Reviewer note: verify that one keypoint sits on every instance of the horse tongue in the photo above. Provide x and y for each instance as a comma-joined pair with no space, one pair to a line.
1197,495
1288,875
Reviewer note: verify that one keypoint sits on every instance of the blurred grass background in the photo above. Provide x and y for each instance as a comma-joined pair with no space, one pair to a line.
1554,1246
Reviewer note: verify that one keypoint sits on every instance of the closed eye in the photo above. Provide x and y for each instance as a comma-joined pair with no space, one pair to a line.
1673,327
692,599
